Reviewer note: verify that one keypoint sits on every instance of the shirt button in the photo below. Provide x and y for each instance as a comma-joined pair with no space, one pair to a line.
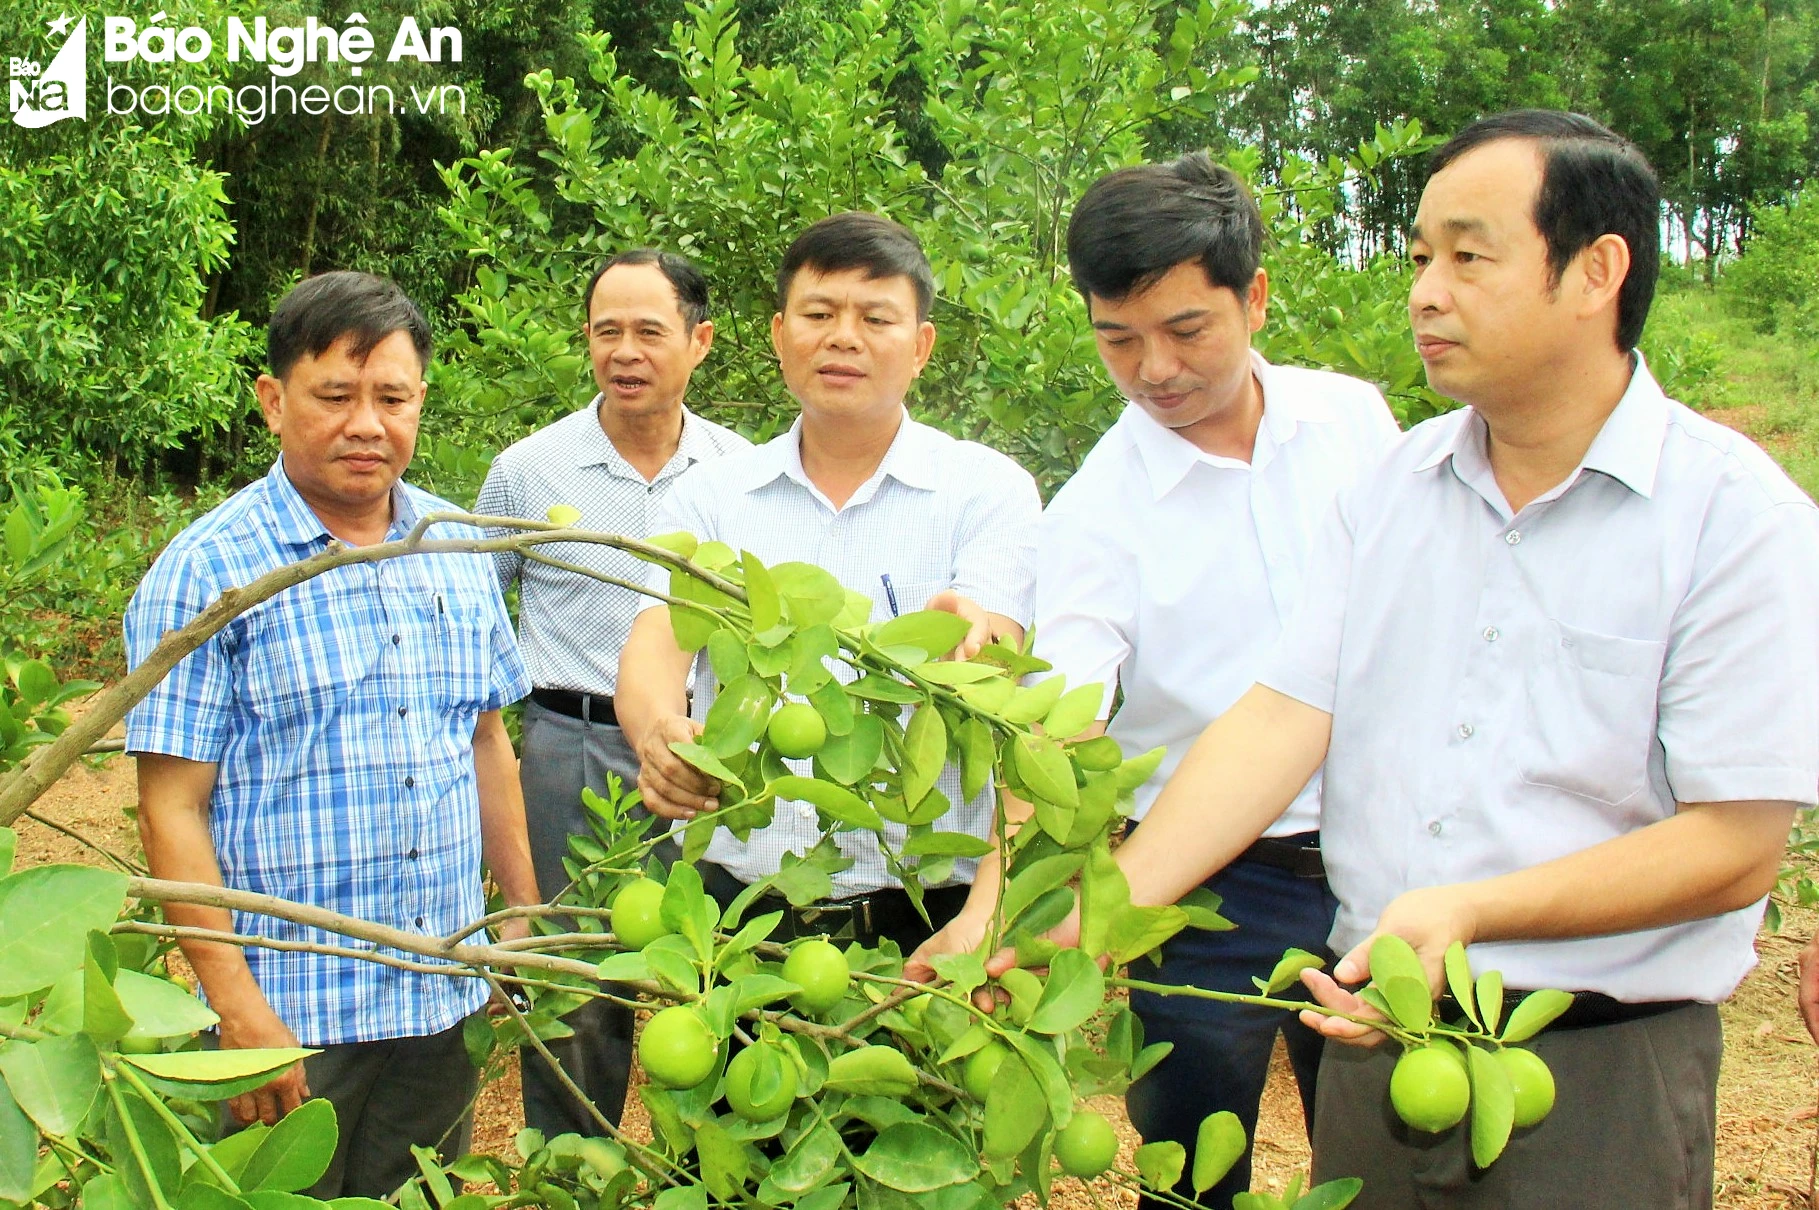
396,640
1433,829
1492,634
1465,730
1513,537
419,922
410,783
412,854
403,710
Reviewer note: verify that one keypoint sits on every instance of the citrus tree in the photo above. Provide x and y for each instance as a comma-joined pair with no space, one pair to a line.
804,1076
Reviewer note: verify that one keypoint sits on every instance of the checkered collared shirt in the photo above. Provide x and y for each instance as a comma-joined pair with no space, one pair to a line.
341,715
937,513
573,628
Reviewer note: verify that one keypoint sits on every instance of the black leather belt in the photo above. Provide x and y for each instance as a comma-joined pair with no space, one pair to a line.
1298,854
866,918
1588,1009
588,707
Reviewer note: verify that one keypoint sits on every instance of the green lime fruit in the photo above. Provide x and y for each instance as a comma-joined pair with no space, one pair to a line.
677,1048
1429,1089
741,1075
797,730
1087,1145
133,1044
982,1068
638,913
1533,1082
563,514
821,971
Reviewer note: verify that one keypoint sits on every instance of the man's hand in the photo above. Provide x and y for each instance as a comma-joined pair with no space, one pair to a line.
257,1028
949,601
964,934
1809,986
1430,919
673,788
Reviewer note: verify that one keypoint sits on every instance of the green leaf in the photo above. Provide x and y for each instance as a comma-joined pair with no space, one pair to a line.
836,802
1043,767
836,708
812,650
849,758
1288,972
36,682
159,1008
945,844
871,1071
155,1142
1490,999
1536,1012
956,672
103,1018
692,628
1030,882
1139,769
924,753
9,844
1331,1195
1392,956
934,632
726,655
805,1164
738,716
811,595
46,915
1033,702
55,1081
1459,980
1493,1105
1160,1164
214,1074
18,1150
297,1151
977,757
725,1165
915,1157
760,593
1217,1146
1411,1005
877,688
1074,992
704,760
1077,710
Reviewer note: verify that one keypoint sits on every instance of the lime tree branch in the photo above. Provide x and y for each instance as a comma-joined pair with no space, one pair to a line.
30,780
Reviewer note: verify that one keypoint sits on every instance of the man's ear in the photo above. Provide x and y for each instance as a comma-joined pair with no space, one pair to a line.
1256,300
1604,266
271,401
925,344
701,340
777,335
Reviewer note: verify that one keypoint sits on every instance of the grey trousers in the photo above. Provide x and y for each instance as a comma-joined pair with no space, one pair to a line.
561,756
1634,1125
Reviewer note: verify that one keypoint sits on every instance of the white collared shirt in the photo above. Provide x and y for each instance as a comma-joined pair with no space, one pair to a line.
938,513
572,628
1170,571
1507,690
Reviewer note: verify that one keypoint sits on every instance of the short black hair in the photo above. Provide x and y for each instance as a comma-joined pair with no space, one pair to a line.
1135,224
322,309
1594,182
684,275
858,240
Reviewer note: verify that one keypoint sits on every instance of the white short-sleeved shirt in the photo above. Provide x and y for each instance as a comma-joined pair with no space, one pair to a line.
572,628
938,513
1170,570
1507,690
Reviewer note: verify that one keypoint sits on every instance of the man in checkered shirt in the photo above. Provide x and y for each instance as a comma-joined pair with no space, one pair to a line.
338,744
893,508
614,460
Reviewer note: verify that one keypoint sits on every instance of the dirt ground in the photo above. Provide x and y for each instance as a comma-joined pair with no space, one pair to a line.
1767,1096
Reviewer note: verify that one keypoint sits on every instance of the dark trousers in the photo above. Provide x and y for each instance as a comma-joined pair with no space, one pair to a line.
561,756
1222,1051
899,922
1633,1126
389,1096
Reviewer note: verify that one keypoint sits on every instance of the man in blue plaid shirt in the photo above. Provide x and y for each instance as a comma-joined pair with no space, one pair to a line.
340,744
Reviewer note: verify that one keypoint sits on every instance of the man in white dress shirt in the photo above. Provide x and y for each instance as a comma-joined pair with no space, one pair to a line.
1560,657
1166,567
614,460
893,508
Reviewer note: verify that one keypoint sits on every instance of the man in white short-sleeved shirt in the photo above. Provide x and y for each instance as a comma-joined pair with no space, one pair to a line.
894,509
1561,660
1165,569
613,461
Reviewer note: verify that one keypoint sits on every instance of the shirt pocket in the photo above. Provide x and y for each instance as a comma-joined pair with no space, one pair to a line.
1592,707
464,659
290,675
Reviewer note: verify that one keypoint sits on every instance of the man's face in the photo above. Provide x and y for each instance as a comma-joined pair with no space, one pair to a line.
1181,349
850,345
1489,320
347,428
642,348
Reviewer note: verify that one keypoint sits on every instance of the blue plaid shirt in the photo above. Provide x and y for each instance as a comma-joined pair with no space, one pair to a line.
341,713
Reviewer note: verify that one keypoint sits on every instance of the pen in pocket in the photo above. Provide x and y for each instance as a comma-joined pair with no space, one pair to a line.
890,593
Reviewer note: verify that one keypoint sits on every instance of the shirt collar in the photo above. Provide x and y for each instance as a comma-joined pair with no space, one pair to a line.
1168,457
295,523
912,460
1627,447
594,448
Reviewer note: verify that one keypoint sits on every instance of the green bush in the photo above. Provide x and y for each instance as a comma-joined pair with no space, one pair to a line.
1776,281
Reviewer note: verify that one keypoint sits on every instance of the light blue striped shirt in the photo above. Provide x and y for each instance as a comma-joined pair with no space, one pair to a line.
341,714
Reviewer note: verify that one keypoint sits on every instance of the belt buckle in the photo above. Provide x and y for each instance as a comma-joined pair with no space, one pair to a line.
846,918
